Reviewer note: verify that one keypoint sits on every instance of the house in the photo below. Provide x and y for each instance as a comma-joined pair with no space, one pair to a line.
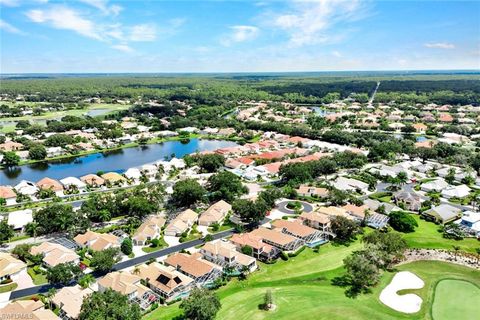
224,254
129,285
356,212
11,146
73,183
54,254
443,213
374,205
97,241
26,188
54,152
420,127
216,213
297,229
27,309
314,219
471,220
19,219
113,177
278,239
193,266
460,191
435,185
410,200
8,195
10,267
260,249
347,184
181,223
133,174
333,211
69,301
306,191
50,184
150,229
166,281
92,180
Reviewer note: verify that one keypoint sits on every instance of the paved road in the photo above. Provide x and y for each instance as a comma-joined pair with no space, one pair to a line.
126,264
282,207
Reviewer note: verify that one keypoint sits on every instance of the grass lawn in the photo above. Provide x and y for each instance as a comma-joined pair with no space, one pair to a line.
455,299
426,235
8,287
38,278
161,245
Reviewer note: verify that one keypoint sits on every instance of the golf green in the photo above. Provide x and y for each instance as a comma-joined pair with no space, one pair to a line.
455,299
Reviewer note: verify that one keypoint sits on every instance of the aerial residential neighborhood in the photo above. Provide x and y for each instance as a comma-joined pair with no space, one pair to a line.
201,160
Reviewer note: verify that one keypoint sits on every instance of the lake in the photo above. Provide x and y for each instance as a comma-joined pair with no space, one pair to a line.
117,160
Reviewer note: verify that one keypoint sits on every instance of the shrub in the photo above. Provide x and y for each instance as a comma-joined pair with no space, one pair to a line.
402,221
296,253
284,256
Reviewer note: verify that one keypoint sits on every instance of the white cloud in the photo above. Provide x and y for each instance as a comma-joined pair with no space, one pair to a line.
10,3
142,32
308,22
9,28
123,48
440,45
65,18
240,34
103,6
337,54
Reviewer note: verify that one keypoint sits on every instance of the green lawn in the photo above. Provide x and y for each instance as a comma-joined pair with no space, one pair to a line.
455,299
38,278
8,287
162,245
427,236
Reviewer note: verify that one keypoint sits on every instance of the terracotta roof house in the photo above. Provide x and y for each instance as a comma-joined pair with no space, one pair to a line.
356,212
411,201
181,223
69,301
113,177
445,117
8,194
260,249
50,184
443,213
165,280
11,146
97,241
224,254
10,267
420,127
297,229
278,239
315,219
28,309
193,266
93,180
129,285
333,211
425,144
151,228
307,191
54,254
216,213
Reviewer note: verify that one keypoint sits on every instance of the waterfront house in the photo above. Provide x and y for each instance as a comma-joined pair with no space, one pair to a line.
216,213
54,254
11,146
133,174
69,301
8,195
97,241
10,267
73,183
50,184
165,280
93,180
27,188
150,229
113,178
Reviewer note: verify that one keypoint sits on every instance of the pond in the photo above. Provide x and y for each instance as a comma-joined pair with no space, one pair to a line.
118,160
97,112
322,112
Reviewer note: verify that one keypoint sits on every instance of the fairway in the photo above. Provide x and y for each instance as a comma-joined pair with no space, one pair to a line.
455,299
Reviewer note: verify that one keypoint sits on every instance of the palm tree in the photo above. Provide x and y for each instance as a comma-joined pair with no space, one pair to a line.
402,177
86,280
456,249
33,228
104,215
50,293
136,270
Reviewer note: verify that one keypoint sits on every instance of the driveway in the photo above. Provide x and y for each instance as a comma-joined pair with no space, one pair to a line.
23,280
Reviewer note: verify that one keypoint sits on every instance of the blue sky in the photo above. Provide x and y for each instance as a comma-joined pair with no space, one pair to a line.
237,36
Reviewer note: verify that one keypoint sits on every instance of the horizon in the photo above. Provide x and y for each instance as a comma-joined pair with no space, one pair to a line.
103,36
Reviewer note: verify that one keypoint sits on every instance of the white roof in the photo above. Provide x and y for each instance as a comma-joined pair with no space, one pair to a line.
26,187
471,217
73,181
133,173
457,191
18,219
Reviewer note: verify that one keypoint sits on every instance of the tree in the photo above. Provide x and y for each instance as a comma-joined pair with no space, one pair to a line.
6,231
344,229
268,300
56,217
32,229
187,192
402,221
225,186
104,260
63,273
361,273
127,246
210,162
250,212
37,152
86,280
22,251
138,206
390,246
201,304
109,305
10,159
247,250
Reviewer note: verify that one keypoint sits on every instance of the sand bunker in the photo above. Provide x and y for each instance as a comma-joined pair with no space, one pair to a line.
406,303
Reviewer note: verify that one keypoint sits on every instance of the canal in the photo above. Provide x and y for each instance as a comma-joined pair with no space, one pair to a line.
118,160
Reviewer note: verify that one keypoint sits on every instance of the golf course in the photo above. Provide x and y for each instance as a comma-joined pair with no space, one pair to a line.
302,289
